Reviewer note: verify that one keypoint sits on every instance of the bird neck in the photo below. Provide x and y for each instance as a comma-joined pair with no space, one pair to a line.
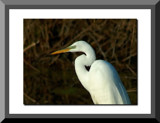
84,60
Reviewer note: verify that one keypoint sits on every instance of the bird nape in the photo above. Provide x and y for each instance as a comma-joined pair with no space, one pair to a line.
102,80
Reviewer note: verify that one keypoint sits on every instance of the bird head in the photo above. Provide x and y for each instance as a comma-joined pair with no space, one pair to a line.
75,47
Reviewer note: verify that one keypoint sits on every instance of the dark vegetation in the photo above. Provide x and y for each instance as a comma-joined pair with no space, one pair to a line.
52,79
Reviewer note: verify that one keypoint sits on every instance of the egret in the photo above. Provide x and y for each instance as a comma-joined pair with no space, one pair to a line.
101,80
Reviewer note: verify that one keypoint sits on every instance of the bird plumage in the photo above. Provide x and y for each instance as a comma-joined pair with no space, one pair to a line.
102,80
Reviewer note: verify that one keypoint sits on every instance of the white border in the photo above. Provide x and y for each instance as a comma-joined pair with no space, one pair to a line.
16,60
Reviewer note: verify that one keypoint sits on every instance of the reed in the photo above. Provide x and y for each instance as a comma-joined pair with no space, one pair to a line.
52,79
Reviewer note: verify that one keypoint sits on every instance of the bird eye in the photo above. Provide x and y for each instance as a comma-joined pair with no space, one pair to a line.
72,47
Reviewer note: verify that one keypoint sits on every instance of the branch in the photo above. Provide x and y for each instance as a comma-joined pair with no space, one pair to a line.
29,98
30,46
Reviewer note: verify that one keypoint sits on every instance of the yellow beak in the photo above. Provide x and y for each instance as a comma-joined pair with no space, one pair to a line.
60,51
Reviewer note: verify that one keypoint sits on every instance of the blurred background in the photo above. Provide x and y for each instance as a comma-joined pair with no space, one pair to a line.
52,79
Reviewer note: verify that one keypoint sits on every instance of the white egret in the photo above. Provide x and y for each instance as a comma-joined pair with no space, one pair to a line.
102,80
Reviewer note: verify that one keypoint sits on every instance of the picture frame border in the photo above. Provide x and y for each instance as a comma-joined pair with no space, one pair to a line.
6,5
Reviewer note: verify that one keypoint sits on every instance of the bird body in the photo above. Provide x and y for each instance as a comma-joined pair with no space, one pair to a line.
106,86
102,80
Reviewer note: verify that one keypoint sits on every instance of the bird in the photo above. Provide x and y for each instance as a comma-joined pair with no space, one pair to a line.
102,80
